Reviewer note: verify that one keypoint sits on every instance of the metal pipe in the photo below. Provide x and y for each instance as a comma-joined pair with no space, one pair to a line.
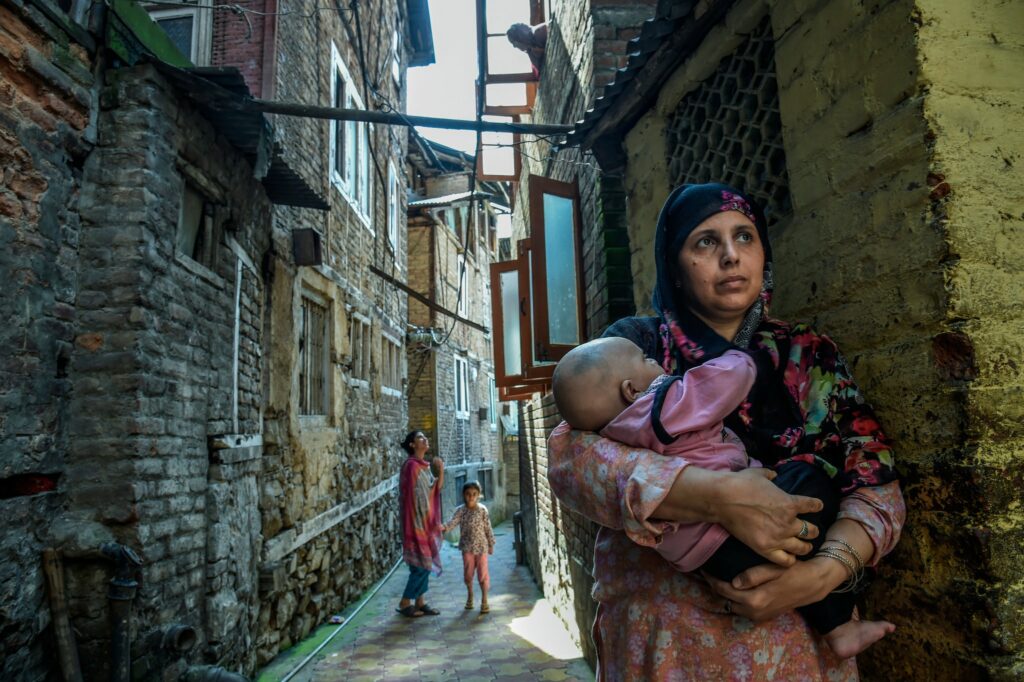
120,594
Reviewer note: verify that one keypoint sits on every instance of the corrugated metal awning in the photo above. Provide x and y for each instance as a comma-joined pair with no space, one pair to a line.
447,199
247,131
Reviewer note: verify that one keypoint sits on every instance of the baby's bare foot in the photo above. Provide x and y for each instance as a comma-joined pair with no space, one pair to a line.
853,637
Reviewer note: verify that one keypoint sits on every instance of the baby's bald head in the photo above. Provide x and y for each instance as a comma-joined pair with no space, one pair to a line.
587,381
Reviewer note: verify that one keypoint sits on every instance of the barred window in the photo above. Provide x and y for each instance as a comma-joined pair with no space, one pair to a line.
313,349
728,129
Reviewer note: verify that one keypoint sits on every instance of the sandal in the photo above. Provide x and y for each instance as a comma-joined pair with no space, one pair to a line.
469,604
409,611
427,611
484,608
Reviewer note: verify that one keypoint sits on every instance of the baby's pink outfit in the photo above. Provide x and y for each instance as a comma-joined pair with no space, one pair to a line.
695,405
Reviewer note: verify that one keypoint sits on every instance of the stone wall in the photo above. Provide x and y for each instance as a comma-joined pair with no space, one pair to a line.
327,485
46,97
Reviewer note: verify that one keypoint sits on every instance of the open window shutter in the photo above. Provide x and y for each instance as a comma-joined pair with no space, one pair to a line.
557,283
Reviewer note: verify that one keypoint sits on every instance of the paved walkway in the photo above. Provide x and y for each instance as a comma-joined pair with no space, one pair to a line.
520,639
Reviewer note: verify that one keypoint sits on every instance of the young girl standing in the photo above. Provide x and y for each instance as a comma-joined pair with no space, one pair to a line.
476,541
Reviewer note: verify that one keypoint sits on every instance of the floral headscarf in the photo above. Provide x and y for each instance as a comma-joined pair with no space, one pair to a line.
686,208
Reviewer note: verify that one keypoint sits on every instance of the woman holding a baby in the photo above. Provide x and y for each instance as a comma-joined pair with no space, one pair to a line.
683,486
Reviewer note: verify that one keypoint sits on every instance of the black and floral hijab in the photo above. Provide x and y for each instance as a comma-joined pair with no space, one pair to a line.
804,405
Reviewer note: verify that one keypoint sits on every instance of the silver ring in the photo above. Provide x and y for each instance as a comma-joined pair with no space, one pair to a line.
728,606
804,530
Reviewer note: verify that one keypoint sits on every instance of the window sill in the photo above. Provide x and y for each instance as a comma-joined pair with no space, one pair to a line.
393,392
464,416
359,383
314,421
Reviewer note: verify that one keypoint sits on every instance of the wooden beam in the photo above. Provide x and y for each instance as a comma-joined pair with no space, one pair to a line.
426,301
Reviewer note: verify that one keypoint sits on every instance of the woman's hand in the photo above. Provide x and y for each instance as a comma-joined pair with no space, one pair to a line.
748,505
766,591
763,517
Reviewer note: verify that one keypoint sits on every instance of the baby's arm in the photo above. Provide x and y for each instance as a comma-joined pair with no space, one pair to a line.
708,393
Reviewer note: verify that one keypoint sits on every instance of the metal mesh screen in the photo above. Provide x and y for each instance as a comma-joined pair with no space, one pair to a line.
728,129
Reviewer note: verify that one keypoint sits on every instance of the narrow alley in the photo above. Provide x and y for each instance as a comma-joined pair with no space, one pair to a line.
520,639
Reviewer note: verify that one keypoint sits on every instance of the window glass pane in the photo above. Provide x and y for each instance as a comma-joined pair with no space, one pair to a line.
338,162
179,30
190,219
560,255
509,282
364,169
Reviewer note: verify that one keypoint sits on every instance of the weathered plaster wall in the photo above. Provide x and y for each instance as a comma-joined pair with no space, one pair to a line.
971,58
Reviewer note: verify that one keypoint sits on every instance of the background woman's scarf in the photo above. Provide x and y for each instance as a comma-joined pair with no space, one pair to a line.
421,516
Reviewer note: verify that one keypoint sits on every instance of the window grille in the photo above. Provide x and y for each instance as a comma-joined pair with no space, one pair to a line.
728,129
313,359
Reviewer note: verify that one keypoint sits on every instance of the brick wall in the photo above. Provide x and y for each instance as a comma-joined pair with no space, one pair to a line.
585,46
435,256
46,90
154,372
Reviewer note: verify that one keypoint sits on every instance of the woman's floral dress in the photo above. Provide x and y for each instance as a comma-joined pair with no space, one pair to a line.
655,623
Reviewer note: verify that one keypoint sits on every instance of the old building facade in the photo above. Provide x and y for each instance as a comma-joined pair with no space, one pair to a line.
452,394
200,403
871,132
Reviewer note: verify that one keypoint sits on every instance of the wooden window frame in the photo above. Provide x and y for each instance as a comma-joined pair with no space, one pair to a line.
543,349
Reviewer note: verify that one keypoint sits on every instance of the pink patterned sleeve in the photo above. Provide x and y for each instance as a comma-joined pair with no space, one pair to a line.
881,511
610,483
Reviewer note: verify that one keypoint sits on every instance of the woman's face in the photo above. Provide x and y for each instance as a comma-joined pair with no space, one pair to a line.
420,444
721,267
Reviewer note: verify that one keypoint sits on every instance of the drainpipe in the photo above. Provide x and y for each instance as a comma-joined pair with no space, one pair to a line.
120,595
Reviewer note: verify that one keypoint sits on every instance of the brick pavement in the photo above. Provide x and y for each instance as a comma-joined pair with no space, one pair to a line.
520,639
